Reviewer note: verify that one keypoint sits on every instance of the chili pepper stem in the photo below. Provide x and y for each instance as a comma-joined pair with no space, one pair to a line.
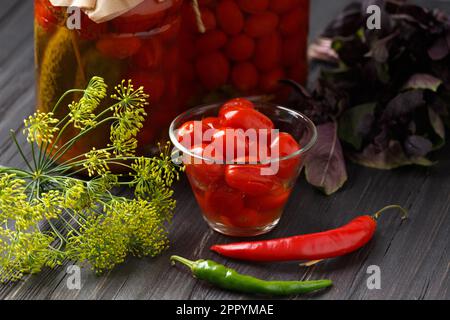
183,261
378,214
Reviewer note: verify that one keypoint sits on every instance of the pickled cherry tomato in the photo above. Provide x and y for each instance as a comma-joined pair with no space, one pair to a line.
261,24
119,48
249,179
286,145
190,19
231,143
223,200
205,172
230,17
293,21
213,69
244,76
212,122
244,118
240,47
253,6
211,41
245,218
191,133
46,15
235,103
276,200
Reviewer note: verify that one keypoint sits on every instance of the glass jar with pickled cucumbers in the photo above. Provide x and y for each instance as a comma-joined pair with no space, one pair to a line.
246,47
140,44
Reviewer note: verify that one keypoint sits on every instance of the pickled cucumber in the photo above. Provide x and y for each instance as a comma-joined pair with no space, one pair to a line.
57,71
40,42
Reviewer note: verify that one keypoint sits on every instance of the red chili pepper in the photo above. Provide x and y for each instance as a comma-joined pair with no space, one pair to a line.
312,247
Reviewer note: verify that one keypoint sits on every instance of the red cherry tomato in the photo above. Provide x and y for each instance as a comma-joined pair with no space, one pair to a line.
231,143
240,47
249,179
211,41
224,201
153,83
118,47
276,200
243,118
230,17
285,145
190,19
269,81
213,69
212,122
191,133
282,6
244,77
46,15
202,172
293,21
150,55
246,218
268,52
235,103
261,24
253,6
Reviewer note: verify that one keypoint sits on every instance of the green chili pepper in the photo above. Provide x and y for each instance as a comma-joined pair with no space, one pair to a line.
230,279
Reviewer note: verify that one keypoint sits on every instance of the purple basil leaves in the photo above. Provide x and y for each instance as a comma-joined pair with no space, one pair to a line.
385,102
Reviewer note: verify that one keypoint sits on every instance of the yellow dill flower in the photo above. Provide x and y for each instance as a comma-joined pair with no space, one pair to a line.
40,127
49,204
83,219
82,113
97,162
128,97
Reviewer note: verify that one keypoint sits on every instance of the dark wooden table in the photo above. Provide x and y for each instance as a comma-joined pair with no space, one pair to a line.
414,256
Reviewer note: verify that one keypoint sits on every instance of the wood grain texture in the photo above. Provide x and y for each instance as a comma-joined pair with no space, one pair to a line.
414,256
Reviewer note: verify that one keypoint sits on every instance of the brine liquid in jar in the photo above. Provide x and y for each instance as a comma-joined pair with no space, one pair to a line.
248,46
141,44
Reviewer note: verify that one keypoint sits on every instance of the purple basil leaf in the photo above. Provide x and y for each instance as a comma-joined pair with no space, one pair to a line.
439,50
325,165
423,81
346,23
403,104
356,123
391,157
417,146
436,123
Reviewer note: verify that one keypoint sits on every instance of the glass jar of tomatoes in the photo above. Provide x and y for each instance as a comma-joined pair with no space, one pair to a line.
247,46
242,160
140,44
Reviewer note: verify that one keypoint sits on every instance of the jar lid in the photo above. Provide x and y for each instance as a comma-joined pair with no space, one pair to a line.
100,10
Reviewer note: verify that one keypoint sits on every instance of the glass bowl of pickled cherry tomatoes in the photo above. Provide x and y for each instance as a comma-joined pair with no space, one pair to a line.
242,159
